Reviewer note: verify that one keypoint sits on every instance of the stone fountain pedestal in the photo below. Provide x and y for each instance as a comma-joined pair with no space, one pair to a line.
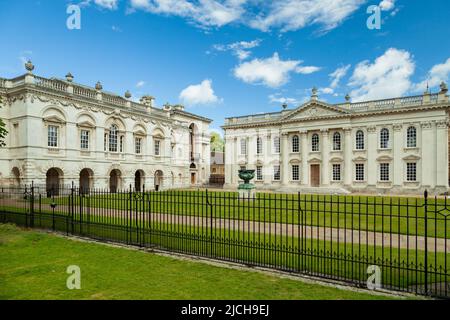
246,190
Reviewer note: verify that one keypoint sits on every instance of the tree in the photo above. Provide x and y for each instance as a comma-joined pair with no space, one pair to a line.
3,131
217,143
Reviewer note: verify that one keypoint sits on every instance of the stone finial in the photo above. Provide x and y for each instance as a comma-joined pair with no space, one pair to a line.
284,106
128,94
167,107
98,86
29,66
314,95
347,97
69,77
147,100
444,88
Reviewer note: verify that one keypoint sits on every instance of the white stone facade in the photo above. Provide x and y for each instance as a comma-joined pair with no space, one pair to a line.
386,146
61,132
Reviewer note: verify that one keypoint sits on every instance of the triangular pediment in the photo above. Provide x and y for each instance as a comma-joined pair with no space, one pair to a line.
315,109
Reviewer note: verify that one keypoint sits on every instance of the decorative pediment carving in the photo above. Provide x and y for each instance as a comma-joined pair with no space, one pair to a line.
411,157
54,119
314,110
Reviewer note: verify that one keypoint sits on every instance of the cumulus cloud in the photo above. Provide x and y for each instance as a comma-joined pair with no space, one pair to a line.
107,4
307,69
240,49
437,74
279,99
337,75
272,72
199,94
387,5
287,15
140,84
388,76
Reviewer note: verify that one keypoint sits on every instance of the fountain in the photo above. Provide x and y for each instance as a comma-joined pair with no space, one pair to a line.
246,190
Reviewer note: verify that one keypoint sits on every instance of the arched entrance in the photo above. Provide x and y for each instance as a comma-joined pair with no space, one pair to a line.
86,180
53,181
158,180
193,169
114,180
16,177
138,180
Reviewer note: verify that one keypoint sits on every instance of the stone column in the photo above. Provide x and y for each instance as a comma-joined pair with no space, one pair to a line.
234,168
284,154
251,152
372,147
428,155
304,155
397,151
348,149
325,150
441,154
267,170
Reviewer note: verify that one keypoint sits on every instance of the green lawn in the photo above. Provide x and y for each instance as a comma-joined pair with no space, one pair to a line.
372,213
33,266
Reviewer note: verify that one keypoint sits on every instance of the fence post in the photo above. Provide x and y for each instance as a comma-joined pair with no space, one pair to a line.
209,207
426,240
72,207
32,206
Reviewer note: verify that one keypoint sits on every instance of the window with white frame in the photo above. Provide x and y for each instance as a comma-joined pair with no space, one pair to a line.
276,144
411,137
336,172
138,145
244,146
295,172
359,171
384,171
259,145
52,140
84,139
157,147
411,171
337,141
360,140
113,136
384,138
259,173
276,173
315,142
295,144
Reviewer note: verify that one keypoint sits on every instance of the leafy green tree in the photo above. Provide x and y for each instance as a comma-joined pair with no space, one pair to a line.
217,143
3,131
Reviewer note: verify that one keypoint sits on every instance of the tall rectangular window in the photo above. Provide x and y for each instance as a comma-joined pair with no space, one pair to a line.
84,139
121,144
276,173
137,145
276,144
359,172
259,173
258,145
157,147
411,171
52,136
336,172
243,146
384,171
295,172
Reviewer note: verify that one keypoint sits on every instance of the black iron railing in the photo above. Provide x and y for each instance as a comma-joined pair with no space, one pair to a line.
344,238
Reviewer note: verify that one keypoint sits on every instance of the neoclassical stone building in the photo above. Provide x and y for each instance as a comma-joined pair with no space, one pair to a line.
386,146
62,132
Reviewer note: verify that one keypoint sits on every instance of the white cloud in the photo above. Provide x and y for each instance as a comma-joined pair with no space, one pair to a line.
307,69
199,94
140,84
272,72
278,99
292,15
107,4
437,74
337,75
387,5
240,49
388,76
287,15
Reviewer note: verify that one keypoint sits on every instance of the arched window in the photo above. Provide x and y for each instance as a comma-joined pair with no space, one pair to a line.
295,144
113,131
258,145
360,140
315,142
336,141
411,137
384,138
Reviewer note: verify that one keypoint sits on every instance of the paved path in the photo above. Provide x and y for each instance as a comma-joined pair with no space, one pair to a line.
340,235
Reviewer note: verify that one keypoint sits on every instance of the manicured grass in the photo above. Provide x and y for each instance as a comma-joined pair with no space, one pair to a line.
33,266
370,213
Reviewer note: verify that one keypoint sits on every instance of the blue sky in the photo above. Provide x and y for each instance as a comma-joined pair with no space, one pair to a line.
233,57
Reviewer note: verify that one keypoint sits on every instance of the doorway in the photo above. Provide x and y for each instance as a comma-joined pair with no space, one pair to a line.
315,175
